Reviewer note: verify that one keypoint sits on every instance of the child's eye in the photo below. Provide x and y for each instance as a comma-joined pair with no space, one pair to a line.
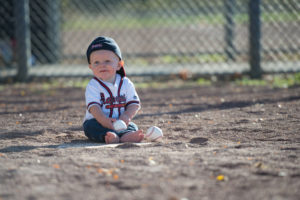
96,63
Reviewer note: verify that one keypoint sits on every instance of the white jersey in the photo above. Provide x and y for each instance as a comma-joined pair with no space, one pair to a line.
111,98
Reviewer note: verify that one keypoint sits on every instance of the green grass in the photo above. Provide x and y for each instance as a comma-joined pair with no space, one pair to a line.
280,17
203,82
202,58
287,82
78,21
251,82
83,22
276,81
178,59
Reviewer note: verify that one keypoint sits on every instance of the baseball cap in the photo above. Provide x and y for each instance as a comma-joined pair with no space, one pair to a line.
105,43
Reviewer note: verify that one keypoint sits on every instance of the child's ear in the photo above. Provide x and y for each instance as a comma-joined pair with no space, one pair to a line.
90,66
121,63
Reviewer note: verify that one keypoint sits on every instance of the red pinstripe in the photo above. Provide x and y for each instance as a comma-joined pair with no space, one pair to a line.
110,94
119,90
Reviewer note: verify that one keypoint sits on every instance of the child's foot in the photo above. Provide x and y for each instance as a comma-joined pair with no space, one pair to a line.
111,138
136,136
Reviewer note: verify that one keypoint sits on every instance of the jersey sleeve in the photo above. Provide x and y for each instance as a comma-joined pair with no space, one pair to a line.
132,96
92,96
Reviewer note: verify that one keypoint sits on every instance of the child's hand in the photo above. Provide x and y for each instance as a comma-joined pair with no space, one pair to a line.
108,123
125,118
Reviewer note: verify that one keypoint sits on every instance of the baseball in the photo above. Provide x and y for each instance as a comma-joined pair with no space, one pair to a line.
119,125
154,133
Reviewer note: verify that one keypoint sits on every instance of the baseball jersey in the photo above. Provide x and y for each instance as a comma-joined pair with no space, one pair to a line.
111,98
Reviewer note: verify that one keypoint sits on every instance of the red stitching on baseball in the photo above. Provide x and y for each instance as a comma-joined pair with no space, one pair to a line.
151,132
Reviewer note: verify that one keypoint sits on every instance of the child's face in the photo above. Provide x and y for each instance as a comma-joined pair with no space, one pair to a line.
104,65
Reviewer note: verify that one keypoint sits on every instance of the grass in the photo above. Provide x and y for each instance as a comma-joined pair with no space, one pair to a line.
251,82
79,21
280,17
178,59
203,82
202,58
276,81
129,22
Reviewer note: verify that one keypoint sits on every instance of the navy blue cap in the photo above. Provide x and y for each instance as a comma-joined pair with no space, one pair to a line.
105,43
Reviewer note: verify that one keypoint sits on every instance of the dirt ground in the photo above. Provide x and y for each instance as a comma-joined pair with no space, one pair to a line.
220,142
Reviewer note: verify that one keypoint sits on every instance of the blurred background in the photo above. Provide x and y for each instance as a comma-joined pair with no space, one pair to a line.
50,37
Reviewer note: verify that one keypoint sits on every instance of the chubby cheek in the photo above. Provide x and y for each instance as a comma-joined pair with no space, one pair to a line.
96,72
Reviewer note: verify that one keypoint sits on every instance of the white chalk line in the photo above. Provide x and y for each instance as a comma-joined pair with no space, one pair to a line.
93,145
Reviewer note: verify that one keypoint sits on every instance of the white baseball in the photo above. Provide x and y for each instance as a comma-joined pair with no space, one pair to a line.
119,125
154,133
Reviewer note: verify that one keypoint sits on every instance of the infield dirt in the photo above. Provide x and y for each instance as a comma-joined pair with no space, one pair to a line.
220,142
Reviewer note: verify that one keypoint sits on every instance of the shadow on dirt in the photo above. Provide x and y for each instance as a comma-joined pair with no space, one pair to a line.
71,144
21,148
19,134
42,110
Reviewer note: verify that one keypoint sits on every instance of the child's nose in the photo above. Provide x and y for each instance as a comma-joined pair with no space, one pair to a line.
103,64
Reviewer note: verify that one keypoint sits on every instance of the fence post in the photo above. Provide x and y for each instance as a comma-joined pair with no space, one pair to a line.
255,36
45,22
22,36
230,50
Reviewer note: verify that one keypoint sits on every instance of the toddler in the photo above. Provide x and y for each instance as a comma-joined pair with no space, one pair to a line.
109,95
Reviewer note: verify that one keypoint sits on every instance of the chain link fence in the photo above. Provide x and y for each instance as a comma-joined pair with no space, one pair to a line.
155,36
